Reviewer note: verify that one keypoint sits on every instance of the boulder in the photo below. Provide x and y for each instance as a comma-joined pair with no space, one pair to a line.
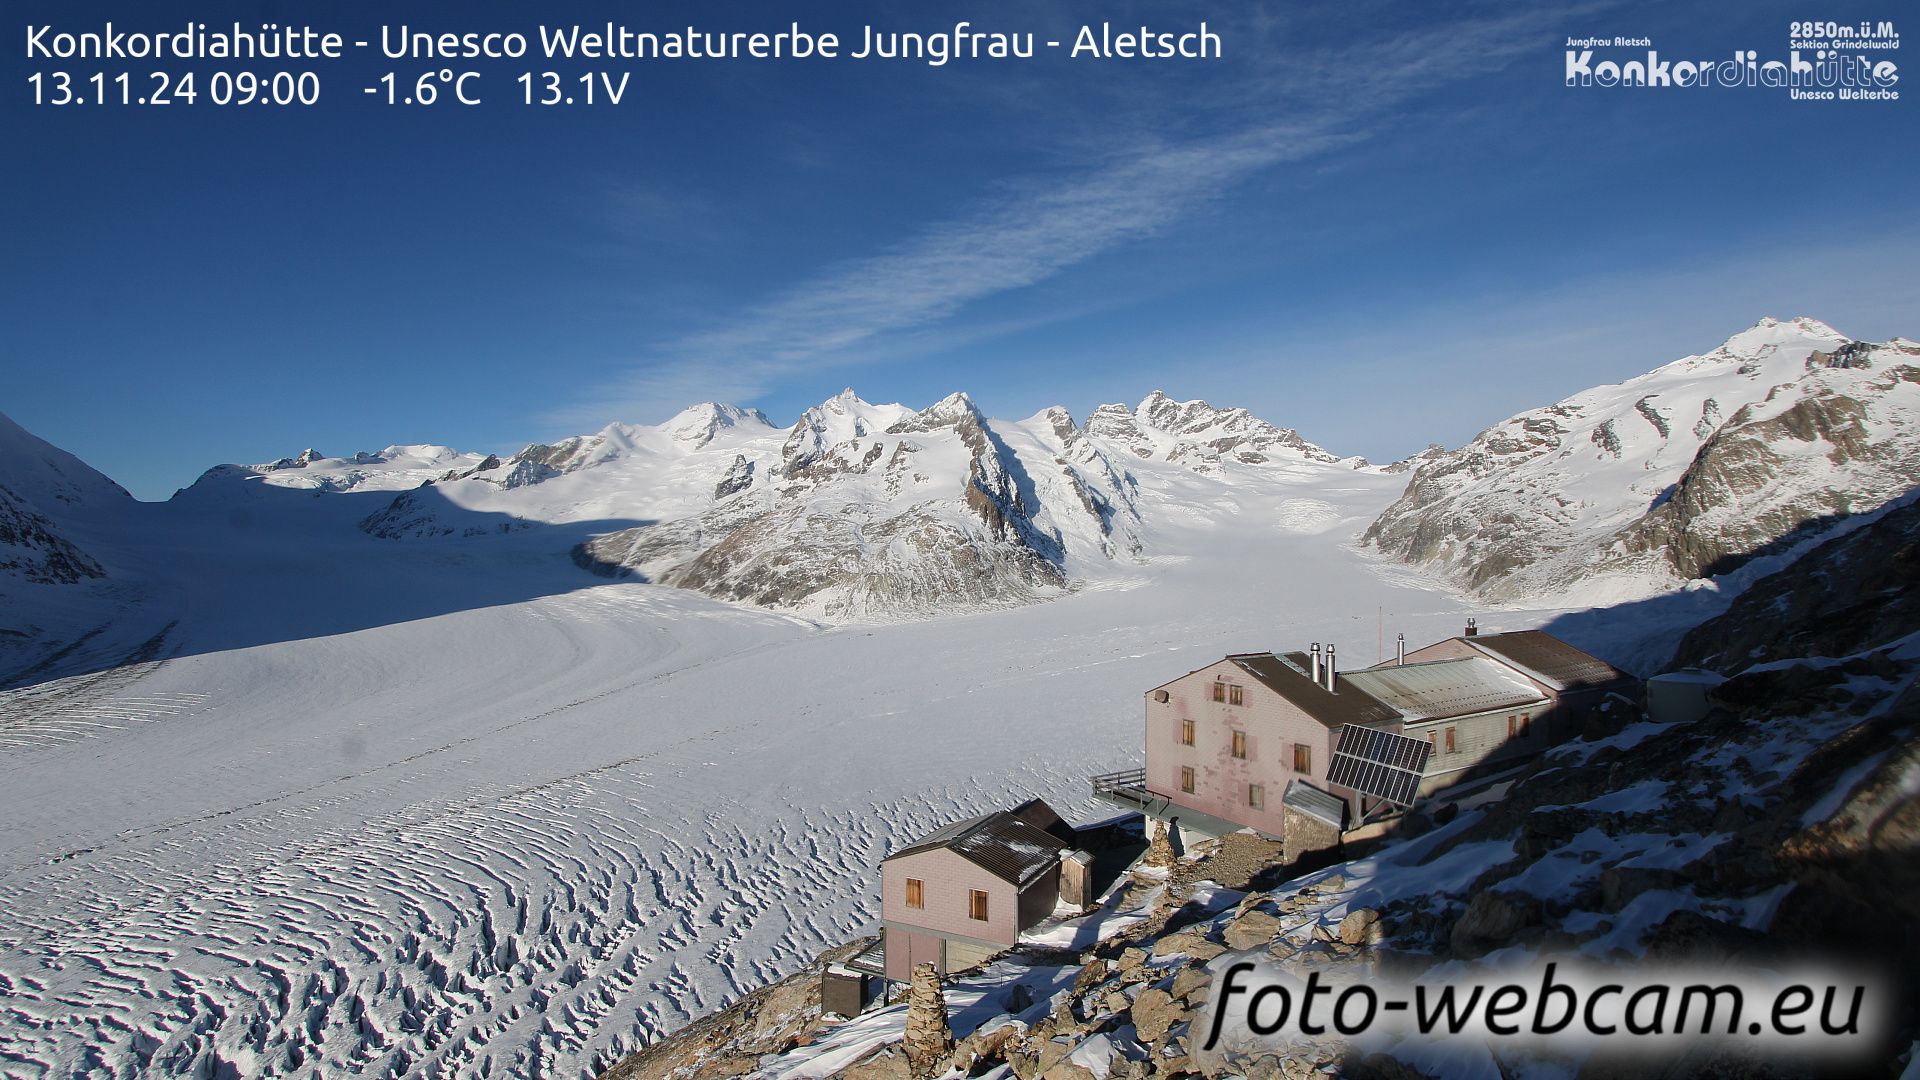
990,1047
1189,942
1492,920
1251,931
1620,884
1361,927
1154,1011
1191,985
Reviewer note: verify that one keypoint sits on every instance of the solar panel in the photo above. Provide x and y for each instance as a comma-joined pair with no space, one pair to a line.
1379,763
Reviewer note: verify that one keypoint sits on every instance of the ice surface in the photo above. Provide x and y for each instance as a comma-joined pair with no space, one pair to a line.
462,809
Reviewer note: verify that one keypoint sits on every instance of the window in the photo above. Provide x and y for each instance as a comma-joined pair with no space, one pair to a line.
1257,796
1236,695
1240,744
1520,730
916,893
1186,779
1303,758
1186,733
976,905
1433,740
1449,740
1219,691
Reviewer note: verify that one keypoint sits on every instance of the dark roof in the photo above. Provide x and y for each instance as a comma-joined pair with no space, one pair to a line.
1038,814
999,843
1287,676
1549,659
1315,803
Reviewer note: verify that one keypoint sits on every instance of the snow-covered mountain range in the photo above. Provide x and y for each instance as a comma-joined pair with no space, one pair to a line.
1684,473
856,511
860,511
378,779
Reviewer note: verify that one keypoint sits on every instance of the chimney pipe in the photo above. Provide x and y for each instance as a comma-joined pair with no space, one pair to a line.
1315,652
1473,628
1401,639
1330,669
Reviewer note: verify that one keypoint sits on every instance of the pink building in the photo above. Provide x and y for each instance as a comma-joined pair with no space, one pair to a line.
962,894
1224,742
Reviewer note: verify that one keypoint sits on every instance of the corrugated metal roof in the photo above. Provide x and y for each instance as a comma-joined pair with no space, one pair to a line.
1287,676
999,843
1315,803
1549,659
1439,689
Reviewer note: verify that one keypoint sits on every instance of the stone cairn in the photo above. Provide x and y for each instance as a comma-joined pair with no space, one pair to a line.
1160,849
929,1038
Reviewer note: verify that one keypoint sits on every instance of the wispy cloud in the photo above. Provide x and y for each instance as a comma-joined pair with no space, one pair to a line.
1512,348
1040,226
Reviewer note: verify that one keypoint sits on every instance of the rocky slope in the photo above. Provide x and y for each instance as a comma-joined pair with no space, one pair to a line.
44,493
1843,596
1686,472
1780,824
32,549
858,519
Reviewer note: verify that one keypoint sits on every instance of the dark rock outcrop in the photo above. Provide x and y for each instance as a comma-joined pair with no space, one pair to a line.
1850,593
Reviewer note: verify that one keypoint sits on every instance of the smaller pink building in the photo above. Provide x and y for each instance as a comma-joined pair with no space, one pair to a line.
963,893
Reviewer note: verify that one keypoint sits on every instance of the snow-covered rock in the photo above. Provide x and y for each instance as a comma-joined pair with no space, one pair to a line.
42,490
1198,434
50,478
1625,491
396,468
32,548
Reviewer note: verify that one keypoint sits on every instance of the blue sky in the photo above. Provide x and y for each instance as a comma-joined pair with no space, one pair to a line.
1383,224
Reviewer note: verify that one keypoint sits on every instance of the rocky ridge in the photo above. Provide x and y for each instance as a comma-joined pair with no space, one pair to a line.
44,493
1684,473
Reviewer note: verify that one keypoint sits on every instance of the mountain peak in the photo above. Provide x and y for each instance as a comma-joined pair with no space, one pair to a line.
1771,333
47,475
958,401
950,411
700,424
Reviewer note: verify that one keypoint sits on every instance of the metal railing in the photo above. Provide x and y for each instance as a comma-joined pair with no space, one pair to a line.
1127,787
871,960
